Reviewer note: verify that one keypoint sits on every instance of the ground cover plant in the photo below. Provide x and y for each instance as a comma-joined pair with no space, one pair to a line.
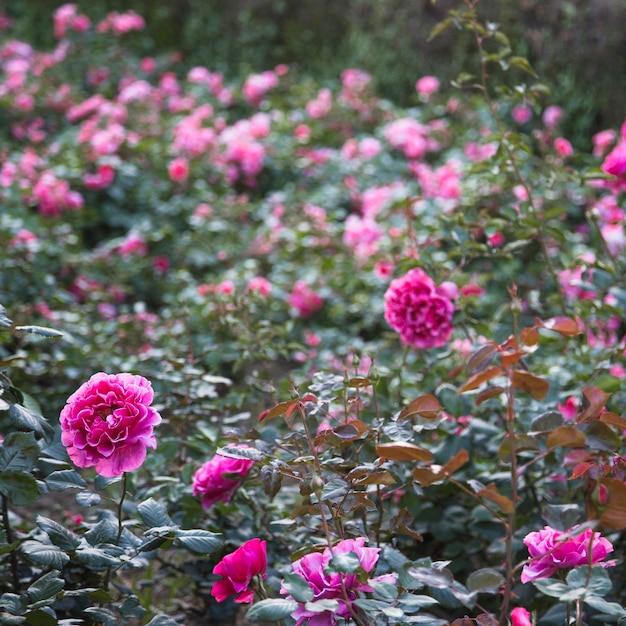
289,351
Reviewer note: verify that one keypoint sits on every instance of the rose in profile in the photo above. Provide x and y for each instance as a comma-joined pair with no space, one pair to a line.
108,423
551,550
238,570
214,481
420,311
520,617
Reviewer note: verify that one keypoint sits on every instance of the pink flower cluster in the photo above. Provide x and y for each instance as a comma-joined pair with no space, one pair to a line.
330,585
420,311
215,482
108,423
304,300
551,550
238,569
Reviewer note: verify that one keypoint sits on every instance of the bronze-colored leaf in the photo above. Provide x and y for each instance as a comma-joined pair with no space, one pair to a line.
403,451
426,406
280,409
481,358
537,387
456,462
613,420
359,381
425,477
481,377
564,325
380,477
614,515
351,430
512,357
490,392
529,336
566,436
504,503
593,402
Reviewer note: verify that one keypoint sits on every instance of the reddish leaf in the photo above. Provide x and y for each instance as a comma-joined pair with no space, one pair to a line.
529,336
280,409
504,503
564,325
488,393
537,387
425,476
402,451
581,469
613,420
426,406
380,477
351,430
456,462
593,402
510,358
359,381
566,436
481,358
482,377
614,515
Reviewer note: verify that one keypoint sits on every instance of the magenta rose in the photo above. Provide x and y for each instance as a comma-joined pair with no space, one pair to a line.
420,311
550,551
238,569
520,617
214,482
329,585
108,423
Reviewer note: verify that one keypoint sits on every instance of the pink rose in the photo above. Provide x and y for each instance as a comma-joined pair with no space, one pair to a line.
327,584
427,85
615,161
304,300
420,311
214,482
520,617
550,551
108,423
238,569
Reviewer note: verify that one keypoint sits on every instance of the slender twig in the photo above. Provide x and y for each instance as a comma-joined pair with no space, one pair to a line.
10,539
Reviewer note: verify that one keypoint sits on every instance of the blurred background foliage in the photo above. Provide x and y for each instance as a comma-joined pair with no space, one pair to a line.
576,46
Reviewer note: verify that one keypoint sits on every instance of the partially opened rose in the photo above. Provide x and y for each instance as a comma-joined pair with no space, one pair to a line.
108,423
238,570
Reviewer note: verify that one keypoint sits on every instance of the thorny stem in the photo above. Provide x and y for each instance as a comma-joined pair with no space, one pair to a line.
10,539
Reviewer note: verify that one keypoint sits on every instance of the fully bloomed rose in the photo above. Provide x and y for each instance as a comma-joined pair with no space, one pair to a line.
108,423
329,585
420,311
550,551
213,482
238,569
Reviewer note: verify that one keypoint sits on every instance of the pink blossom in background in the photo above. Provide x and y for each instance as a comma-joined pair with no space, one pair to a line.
238,569
66,18
25,240
615,161
420,311
120,23
178,170
320,106
563,147
569,408
108,423
496,240
214,481
257,85
427,85
315,570
260,285
477,152
550,551
410,136
383,269
355,80
101,179
520,617
134,244
361,235
521,114
304,300
53,196
602,141
161,265
615,237
552,116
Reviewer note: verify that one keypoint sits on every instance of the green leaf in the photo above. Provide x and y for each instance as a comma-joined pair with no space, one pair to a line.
20,488
162,620
298,588
42,554
200,541
19,452
131,608
4,320
321,606
29,420
346,562
88,498
96,557
13,604
271,610
551,587
522,64
485,580
607,608
561,516
106,617
334,488
154,514
45,587
65,479
438,578
440,28
598,583
233,452
105,531
58,534
40,617
40,330
546,421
